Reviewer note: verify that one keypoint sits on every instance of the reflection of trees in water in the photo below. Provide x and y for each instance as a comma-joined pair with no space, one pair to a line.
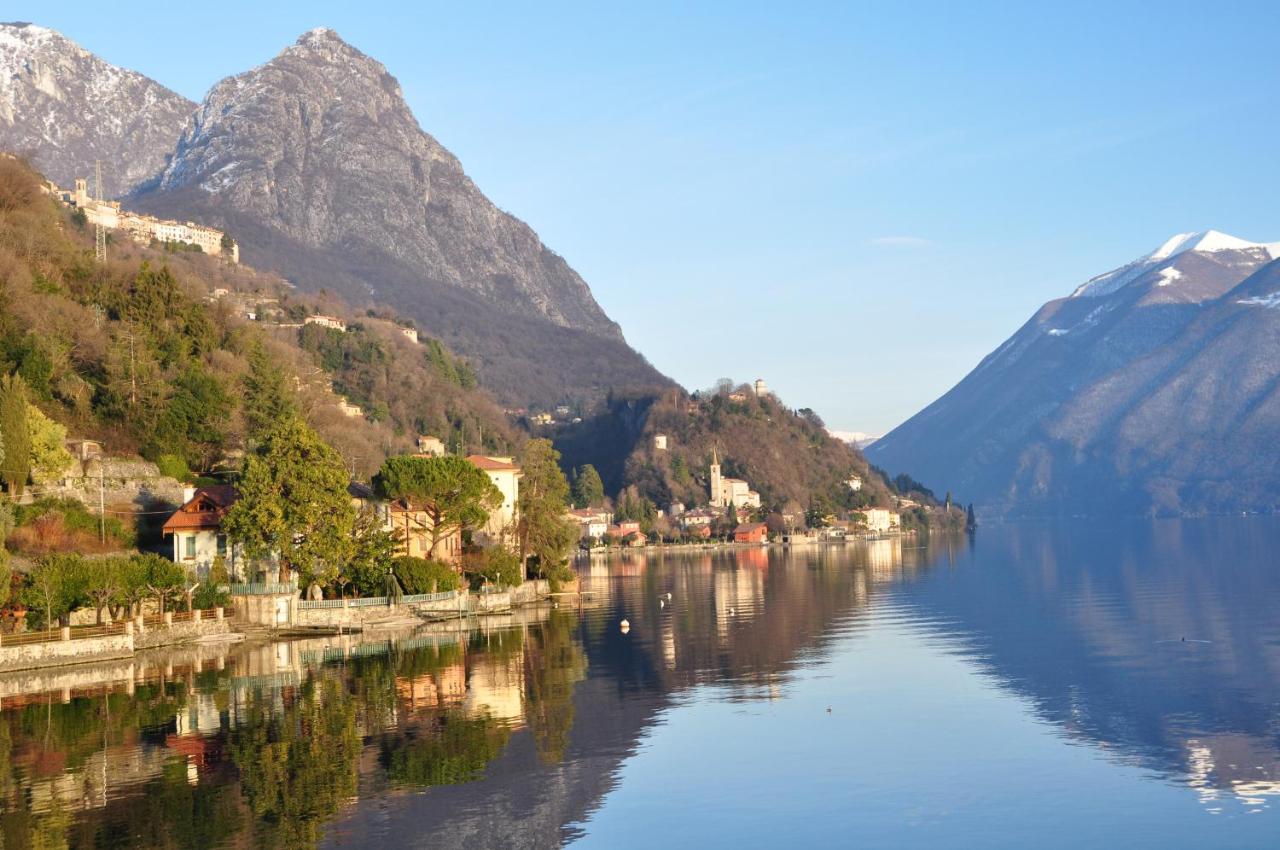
448,750
297,764
554,662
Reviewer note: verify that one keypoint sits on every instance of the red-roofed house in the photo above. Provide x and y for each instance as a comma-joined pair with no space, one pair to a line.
751,532
196,528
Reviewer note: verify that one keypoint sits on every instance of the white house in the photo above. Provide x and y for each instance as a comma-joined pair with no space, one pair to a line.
196,528
326,322
880,520
730,491
505,475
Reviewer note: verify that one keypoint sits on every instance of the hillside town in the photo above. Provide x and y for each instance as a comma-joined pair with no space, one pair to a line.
143,229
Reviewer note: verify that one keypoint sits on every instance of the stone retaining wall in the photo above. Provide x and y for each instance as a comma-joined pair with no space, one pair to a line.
185,632
57,652
466,603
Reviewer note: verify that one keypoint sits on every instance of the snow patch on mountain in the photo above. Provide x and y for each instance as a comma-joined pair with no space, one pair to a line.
1168,275
1271,302
1204,241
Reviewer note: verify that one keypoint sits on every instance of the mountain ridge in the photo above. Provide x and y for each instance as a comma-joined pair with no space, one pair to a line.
1053,420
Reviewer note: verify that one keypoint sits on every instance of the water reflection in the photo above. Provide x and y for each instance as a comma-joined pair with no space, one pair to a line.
523,729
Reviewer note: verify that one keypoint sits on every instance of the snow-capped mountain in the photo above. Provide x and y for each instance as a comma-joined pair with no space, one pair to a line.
1136,393
67,108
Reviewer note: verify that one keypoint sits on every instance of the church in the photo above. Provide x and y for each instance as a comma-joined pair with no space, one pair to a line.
730,491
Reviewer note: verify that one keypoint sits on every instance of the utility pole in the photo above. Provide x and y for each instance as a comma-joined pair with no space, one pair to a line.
102,502
99,232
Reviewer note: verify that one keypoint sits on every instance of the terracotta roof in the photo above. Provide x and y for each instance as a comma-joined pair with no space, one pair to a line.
492,464
204,511
750,526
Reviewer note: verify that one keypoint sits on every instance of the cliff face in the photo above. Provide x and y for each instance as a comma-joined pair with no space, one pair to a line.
1150,390
317,166
67,108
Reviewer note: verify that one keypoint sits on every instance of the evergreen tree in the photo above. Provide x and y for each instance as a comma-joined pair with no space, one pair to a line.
267,399
588,488
294,504
544,494
971,521
16,429
49,456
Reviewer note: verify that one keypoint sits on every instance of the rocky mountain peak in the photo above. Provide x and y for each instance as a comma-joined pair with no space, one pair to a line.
67,108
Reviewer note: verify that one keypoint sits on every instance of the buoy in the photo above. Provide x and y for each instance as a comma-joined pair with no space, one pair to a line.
625,626
662,603
732,612
668,596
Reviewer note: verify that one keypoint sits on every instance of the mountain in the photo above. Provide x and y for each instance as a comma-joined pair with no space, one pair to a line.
1151,389
317,166
67,108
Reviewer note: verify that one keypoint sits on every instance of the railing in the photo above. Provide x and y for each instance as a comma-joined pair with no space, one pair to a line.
264,588
120,627
311,604
55,635
430,597
367,602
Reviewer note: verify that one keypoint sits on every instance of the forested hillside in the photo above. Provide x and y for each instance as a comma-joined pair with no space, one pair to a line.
155,352
785,455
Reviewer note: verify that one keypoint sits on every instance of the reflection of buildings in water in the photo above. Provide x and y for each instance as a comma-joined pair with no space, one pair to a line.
738,591
860,588
668,644
101,776
884,558
757,559
442,688
200,716
1233,766
495,687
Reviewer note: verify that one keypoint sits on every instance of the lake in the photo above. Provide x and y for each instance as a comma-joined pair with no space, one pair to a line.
1091,684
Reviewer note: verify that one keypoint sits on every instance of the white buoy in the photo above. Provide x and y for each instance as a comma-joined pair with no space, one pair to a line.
668,596
625,626
732,612
662,603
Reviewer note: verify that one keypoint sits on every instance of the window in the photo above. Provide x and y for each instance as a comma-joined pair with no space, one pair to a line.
191,546
222,545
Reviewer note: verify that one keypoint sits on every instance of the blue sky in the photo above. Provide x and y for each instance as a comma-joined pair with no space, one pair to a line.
854,201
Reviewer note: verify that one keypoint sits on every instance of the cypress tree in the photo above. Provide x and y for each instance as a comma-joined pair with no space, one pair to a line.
16,464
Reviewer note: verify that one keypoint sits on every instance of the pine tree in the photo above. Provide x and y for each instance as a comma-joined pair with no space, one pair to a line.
267,399
16,466
970,520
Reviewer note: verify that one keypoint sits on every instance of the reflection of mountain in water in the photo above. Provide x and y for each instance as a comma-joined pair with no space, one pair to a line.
1158,642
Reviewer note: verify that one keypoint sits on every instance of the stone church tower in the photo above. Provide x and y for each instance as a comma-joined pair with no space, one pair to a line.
716,489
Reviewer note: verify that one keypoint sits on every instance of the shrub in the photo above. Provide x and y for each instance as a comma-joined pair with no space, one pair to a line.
210,595
60,525
418,575
174,466
498,566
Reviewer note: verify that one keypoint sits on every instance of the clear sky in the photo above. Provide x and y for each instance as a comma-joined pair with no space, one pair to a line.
855,201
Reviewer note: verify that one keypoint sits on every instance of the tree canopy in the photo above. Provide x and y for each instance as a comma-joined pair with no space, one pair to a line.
294,504
452,491
543,532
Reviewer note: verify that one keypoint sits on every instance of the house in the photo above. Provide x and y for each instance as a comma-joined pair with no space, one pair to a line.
505,475
760,389
660,442
751,532
880,520
592,524
326,322
738,396
410,333
349,410
626,535
429,446
196,528
412,526
703,531
854,482
83,450
698,517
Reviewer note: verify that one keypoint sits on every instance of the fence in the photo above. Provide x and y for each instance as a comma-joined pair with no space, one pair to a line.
263,588
51,635
371,601
150,621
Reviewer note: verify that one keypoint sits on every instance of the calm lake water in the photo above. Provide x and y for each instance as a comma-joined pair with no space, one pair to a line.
1046,686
